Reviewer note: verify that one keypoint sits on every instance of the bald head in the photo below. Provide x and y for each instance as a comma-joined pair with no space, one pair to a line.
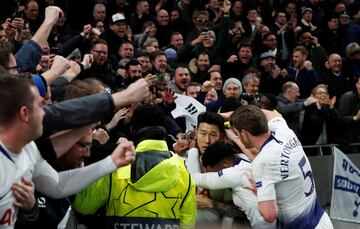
334,63
163,17
290,90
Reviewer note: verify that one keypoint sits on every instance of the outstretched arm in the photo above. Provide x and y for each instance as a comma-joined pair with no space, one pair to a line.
59,185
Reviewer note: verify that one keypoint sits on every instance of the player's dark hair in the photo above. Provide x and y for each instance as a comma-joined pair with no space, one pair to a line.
213,119
216,153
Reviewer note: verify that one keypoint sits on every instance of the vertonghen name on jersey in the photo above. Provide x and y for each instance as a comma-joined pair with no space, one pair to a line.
285,156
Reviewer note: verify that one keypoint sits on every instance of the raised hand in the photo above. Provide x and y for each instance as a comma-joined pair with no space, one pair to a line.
52,14
87,61
168,96
124,153
60,65
137,91
101,136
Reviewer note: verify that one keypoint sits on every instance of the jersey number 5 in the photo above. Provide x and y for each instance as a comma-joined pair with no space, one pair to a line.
307,174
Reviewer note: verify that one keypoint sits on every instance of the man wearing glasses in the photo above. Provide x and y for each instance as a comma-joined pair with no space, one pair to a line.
51,211
101,68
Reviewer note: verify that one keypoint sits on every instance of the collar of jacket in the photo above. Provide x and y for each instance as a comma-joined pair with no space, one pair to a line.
151,145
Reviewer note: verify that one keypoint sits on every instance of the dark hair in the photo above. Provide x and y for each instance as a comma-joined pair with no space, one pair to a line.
132,62
146,116
266,35
213,119
273,101
175,33
6,49
156,54
125,42
216,153
15,93
99,41
251,119
230,104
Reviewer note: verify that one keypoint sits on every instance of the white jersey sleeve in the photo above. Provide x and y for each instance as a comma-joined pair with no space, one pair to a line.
266,174
66,183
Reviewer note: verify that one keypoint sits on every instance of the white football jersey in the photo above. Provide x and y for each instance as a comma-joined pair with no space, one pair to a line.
282,172
12,169
236,179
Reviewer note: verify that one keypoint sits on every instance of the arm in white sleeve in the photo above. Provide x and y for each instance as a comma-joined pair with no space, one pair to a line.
227,178
66,183
192,161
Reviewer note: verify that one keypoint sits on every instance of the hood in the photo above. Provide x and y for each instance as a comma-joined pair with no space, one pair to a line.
156,169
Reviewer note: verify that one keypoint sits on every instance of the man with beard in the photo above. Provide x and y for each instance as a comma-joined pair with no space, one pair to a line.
181,79
133,72
272,77
199,67
101,68
302,72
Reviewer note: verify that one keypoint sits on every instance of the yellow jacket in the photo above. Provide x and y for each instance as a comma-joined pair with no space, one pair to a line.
156,190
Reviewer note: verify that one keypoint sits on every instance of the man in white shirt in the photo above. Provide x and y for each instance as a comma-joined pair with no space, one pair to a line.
21,116
281,170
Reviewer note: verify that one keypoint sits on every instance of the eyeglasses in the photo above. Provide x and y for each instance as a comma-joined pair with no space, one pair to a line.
16,68
84,145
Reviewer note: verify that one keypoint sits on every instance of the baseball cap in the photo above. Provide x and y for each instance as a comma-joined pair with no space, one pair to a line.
267,54
117,17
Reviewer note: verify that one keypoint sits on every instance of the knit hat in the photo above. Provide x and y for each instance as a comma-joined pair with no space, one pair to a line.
234,81
305,9
352,48
170,53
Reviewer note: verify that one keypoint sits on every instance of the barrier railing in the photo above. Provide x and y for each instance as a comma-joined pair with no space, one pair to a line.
328,149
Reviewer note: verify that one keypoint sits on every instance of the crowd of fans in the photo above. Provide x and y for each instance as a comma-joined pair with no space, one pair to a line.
298,58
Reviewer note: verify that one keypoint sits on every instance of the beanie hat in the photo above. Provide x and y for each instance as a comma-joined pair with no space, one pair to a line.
234,81
170,53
